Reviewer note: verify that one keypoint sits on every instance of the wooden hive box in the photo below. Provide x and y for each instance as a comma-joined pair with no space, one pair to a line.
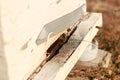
21,22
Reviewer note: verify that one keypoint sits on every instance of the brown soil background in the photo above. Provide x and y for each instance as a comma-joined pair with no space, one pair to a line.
108,38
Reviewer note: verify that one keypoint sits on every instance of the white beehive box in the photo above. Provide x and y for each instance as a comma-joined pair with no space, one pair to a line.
21,21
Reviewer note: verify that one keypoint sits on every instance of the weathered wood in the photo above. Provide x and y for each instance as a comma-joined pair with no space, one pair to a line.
21,21
58,67
20,26
64,37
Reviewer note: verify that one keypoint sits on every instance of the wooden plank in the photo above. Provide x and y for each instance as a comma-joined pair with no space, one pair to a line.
21,21
58,67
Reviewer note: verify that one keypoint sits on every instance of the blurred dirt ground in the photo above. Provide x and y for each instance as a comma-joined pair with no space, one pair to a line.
108,38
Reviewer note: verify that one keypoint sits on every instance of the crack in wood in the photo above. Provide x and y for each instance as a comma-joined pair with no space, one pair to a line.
54,48
65,51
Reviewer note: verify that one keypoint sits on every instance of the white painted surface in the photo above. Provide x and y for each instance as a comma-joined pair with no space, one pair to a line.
57,68
90,53
21,22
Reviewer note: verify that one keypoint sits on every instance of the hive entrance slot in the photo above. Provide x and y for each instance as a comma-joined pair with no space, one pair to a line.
55,47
